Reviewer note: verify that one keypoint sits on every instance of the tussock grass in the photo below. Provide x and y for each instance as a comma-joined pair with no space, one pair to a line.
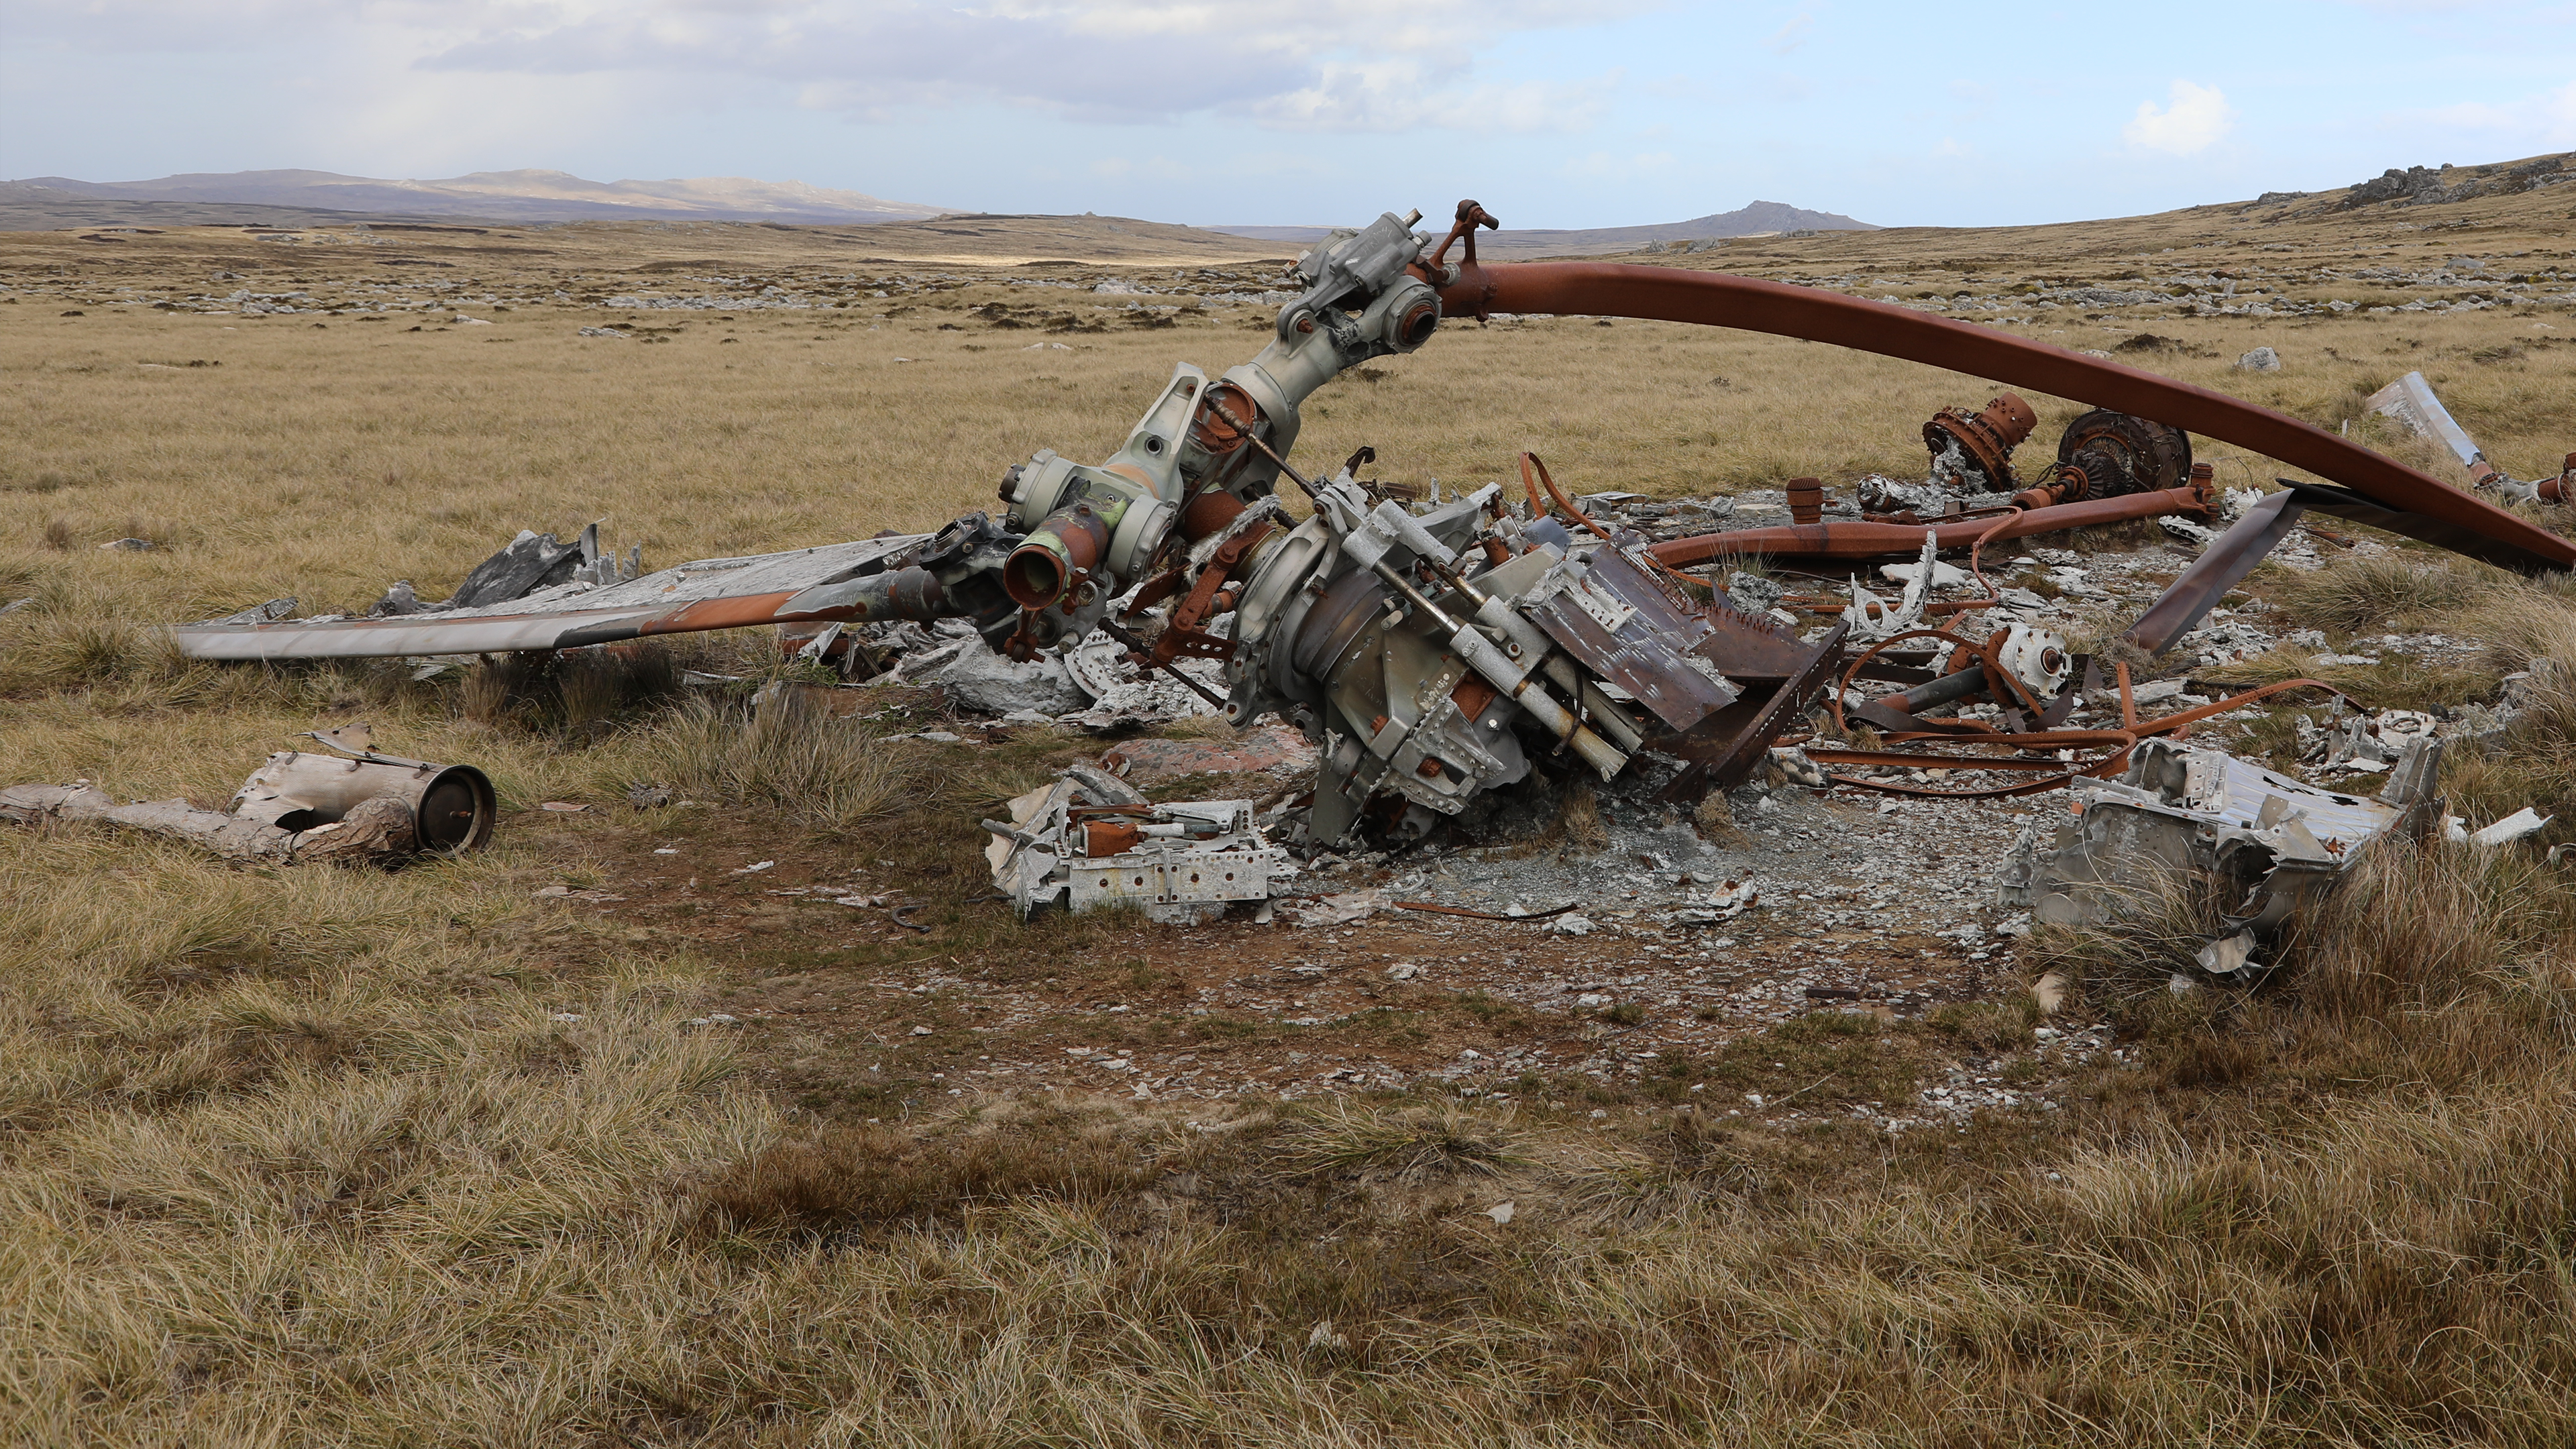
786,756
1439,1141
845,1177
2386,590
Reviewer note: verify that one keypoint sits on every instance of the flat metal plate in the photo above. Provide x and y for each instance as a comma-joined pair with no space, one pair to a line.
1651,653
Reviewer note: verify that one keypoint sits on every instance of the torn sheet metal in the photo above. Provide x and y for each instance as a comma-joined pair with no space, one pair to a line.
1611,615
2270,845
1088,840
352,806
2411,401
710,593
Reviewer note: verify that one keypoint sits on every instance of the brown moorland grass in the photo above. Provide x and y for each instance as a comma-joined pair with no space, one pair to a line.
373,1158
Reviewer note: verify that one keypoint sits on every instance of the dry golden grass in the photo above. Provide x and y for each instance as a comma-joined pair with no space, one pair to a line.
373,1159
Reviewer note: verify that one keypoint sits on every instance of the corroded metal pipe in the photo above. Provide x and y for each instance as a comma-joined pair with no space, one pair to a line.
1065,547
1717,299
1871,540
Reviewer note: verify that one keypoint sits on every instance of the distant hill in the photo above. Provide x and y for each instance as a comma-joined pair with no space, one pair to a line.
513,196
1758,219
1010,240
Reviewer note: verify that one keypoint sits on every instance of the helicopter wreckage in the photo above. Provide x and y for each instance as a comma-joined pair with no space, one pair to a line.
1434,651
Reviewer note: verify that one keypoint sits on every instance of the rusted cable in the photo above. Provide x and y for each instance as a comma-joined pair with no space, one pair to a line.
1532,460
1539,510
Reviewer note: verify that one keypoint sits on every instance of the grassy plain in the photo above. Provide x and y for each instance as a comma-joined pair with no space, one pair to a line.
392,1159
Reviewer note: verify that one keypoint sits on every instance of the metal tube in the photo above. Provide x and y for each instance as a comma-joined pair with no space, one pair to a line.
1855,540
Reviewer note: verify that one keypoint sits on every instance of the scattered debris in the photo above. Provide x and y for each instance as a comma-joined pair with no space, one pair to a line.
2269,844
353,806
1089,840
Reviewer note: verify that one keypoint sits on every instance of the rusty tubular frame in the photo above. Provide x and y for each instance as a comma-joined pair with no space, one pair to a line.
1858,540
1717,299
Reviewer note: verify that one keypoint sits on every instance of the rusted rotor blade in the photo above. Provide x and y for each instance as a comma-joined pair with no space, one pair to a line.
2346,504
1477,915
1994,792
1716,299
1904,761
2220,567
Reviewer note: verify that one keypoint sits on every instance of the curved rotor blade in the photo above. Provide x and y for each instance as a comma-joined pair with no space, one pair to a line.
1717,299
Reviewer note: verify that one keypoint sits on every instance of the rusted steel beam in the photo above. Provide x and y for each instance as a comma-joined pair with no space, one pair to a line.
1717,299
1872,540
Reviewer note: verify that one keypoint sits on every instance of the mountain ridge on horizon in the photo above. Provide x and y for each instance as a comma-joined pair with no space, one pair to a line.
532,194
1751,219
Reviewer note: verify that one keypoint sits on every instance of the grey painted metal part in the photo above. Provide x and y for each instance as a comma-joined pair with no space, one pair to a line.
1181,862
2182,816
2220,567
2410,400
714,593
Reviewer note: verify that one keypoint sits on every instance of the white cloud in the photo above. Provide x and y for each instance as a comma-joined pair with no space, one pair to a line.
2194,118
2543,122
1319,64
1794,31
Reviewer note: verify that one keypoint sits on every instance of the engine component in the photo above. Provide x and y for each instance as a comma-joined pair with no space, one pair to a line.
2106,454
452,807
1204,449
1972,452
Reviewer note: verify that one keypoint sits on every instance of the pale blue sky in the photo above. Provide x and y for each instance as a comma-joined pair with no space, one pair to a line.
1553,112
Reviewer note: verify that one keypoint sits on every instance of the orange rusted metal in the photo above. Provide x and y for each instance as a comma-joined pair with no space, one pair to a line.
1717,299
1860,540
1988,437
1807,500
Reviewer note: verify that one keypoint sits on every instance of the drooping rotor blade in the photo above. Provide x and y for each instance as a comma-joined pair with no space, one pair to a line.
710,593
1716,299
2220,567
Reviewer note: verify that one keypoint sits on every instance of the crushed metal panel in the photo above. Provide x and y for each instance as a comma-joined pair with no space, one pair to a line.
1603,608
714,593
2276,844
2410,401
1182,861
1170,876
